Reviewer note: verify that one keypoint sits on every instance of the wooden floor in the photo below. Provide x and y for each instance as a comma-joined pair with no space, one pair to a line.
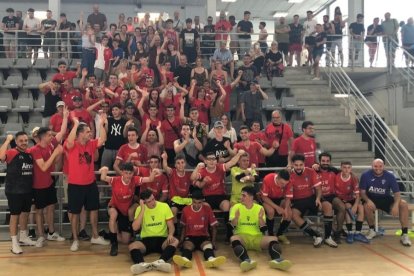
385,256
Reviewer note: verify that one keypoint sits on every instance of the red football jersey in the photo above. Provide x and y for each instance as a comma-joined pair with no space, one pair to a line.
158,186
273,191
327,182
56,122
253,150
203,106
307,147
171,133
179,185
273,133
259,135
126,150
197,223
346,189
41,179
175,101
82,115
303,184
122,193
216,185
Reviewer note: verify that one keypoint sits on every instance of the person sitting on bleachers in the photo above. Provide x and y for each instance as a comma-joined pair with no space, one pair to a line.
228,132
158,187
274,62
188,145
224,55
244,174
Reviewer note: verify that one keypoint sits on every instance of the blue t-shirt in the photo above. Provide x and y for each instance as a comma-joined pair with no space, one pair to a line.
378,186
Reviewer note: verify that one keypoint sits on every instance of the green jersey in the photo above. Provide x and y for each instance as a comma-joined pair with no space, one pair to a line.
154,222
237,186
249,219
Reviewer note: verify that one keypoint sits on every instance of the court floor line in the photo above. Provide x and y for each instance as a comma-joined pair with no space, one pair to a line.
12,256
388,259
397,250
199,265
176,269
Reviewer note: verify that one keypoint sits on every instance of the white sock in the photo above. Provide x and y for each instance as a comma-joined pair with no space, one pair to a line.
23,234
14,239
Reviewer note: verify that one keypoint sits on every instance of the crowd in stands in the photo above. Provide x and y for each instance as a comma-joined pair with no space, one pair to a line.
145,102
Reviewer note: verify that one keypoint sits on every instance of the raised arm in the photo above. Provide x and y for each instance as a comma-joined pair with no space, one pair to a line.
5,146
70,141
102,131
232,162
165,167
59,136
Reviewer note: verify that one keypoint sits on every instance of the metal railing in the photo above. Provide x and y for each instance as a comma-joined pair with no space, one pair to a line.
384,142
407,71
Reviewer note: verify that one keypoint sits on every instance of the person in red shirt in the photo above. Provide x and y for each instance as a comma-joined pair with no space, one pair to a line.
170,128
56,121
44,155
276,194
305,144
82,189
68,93
200,102
141,77
222,28
281,133
169,96
131,152
64,75
197,220
209,177
347,190
81,113
227,87
304,182
159,186
123,188
327,175
253,148
113,87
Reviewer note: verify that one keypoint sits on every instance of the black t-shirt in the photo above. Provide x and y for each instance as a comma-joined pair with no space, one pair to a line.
338,29
50,104
115,136
10,23
378,29
217,147
208,39
319,38
357,28
19,175
189,38
295,34
49,23
249,74
183,74
245,27
64,26
273,56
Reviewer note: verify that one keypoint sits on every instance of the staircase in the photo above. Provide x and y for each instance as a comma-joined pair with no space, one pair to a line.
333,129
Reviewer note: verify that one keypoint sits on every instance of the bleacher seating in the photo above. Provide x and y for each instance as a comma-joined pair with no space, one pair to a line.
7,63
32,81
11,128
290,107
13,82
23,105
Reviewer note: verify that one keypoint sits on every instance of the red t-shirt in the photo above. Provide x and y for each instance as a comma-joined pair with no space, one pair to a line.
272,190
346,189
327,182
203,106
80,163
273,133
303,184
197,223
158,186
56,122
171,35
69,75
126,150
307,147
222,25
146,72
226,102
171,131
82,115
67,98
253,150
179,185
153,124
123,194
259,135
175,101
216,185
41,179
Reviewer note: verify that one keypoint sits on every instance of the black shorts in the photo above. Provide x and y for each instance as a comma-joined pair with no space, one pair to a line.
83,195
197,241
284,48
383,203
180,207
328,198
33,41
124,225
277,201
215,200
44,197
153,244
310,40
305,205
19,203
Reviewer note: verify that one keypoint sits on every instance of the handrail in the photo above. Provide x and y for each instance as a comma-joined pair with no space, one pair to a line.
382,137
406,72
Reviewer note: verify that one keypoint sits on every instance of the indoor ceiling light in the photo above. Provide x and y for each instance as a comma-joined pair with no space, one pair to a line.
280,14
228,1
341,95
218,13
295,1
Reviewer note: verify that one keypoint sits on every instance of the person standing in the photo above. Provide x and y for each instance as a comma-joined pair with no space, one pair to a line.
336,42
373,31
282,37
49,35
309,29
10,24
251,104
390,27
357,31
407,37
31,26
295,40
18,189
190,41
305,145
245,28
97,18
82,189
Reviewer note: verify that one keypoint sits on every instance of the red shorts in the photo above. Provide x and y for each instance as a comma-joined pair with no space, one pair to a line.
295,47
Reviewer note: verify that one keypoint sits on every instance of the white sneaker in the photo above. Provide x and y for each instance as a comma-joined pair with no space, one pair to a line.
160,265
16,249
405,240
55,237
25,240
99,240
371,234
75,246
40,242
329,241
316,79
317,241
140,268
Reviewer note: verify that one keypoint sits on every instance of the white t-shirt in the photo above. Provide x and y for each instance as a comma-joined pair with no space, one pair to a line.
32,23
309,26
100,61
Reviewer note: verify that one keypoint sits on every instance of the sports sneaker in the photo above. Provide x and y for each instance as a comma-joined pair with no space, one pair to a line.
283,239
337,237
32,234
40,242
114,249
371,234
140,268
317,241
26,241
280,264
104,234
99,240
83,236
160,265
329,241
182,261
405,240
16,249
75,246
316,79
248,265
350,238
55,237
361,238
215,262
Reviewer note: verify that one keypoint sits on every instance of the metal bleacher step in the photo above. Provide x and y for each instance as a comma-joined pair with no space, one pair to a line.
344,146
325,111
316,102
319,120
342,137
